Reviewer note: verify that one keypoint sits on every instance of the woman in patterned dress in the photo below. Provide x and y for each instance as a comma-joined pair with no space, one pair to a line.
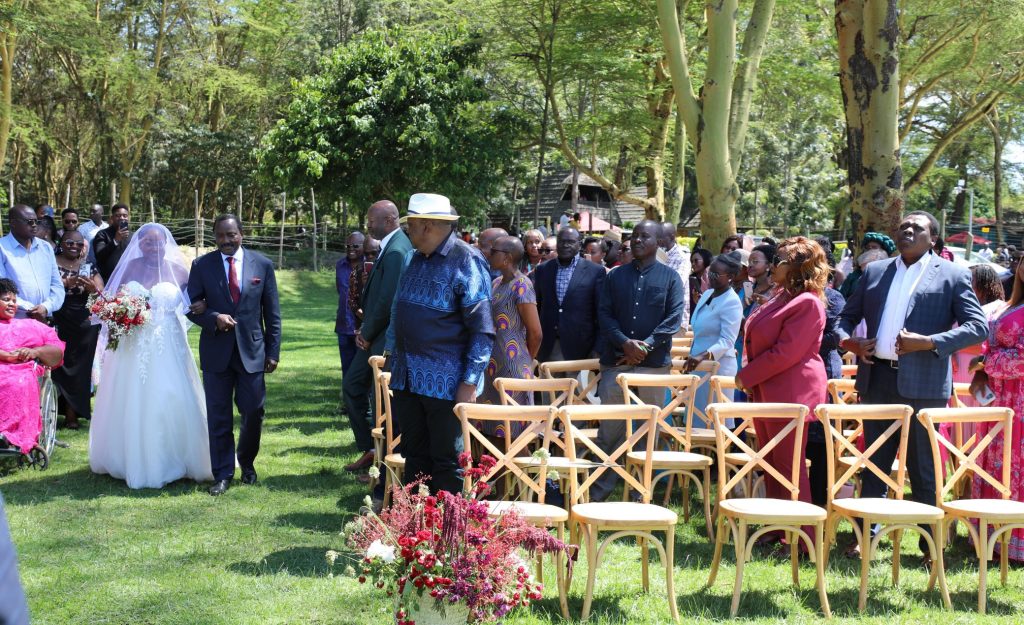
1003,372
516,326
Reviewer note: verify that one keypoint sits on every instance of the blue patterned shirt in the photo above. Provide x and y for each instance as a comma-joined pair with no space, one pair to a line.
563,276
441,329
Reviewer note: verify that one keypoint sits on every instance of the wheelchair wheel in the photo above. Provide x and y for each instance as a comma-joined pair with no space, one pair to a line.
48,412
38,458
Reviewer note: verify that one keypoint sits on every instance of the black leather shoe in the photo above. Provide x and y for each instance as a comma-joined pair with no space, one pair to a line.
220,487
249,477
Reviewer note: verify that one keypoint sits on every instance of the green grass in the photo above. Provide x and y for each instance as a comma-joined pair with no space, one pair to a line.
93,551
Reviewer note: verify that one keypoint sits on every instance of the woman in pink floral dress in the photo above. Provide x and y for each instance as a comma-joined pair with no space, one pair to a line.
22,343
1004,373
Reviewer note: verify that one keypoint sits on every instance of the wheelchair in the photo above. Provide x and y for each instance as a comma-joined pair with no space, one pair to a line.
39,456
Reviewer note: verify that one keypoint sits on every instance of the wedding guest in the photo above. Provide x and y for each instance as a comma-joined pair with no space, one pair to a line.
942,251
532,256
68,221
594,250
22,342
989,291
1002,370
30,263
549,249
439,342
678,261
700,260
731,243
94,224
13,607
345,319
517,332
716,324
111,242
782,344
81,279
872,241
625,253
360,276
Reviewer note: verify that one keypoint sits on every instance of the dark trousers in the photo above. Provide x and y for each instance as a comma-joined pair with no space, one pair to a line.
883,389
431,439
356,386
347,350
248,391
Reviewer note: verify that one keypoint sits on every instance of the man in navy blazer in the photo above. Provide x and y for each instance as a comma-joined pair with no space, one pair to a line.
239,342
920,309
568,288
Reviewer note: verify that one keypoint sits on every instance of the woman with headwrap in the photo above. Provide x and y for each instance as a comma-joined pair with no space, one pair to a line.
872,241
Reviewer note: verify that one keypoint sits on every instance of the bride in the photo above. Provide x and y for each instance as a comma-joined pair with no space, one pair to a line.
149,423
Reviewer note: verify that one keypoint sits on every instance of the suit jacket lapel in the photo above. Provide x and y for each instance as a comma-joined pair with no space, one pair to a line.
931,271
245,283
222,274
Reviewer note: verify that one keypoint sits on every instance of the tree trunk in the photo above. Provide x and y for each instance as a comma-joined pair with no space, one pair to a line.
8,45
674,208
992,120
868,32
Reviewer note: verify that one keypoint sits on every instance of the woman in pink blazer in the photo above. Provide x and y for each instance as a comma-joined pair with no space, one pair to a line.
781,345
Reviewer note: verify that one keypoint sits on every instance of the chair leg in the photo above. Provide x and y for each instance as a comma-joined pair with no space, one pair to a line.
719,540
897,541
645,572
588,597
668,489
865,563
670,585
560,575
939,563
741,549
983,539
706,496
819,561
794,557
684,493
1004,557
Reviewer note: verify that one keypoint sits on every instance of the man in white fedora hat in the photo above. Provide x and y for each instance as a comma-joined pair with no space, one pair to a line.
439,341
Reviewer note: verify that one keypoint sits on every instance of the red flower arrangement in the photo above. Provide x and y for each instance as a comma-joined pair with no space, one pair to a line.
447,549
121,313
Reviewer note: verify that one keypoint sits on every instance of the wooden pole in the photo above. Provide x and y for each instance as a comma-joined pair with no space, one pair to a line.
10,194
312,202
113,195
199,232
67,197
280,241
239,201
152,209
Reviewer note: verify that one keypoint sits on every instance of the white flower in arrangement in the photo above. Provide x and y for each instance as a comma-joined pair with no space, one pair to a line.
332,556
373,472
350,571
378,549
367,502
542,454
424,491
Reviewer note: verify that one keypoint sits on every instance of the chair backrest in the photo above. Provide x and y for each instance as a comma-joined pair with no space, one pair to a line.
840,445
390,440
682,341
680,352
643,417
573,368
557,391
849,371
843,391
849,358
961,391
377,366
538,421
746,414
681,388
704,371
717,387
965,457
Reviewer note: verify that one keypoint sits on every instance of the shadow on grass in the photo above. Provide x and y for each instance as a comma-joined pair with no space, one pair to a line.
305,426
328,451
83,484
296,561
319,522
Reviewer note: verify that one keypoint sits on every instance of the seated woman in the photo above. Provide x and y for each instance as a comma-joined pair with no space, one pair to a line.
22,342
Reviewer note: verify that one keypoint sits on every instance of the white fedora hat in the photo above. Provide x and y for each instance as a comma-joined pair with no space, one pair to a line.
429,206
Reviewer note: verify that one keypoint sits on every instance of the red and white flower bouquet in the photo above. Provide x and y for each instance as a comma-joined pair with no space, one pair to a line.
121,313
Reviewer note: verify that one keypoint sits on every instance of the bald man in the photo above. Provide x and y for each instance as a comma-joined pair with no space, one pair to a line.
381,224
484,243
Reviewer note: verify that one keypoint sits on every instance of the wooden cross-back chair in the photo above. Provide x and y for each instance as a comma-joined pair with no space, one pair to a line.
753,482
679,352
849,371
575,369
849,358
394,461
788,515
702,436
895,515
678,460
621,518
682,341
961,434
377,366
538,431
1003,514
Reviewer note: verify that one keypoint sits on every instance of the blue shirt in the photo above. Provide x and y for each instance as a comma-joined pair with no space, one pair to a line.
563,276
643,304
344,321
441,330
34,270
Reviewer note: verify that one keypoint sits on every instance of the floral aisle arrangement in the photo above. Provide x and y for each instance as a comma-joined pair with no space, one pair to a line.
122,313
445,553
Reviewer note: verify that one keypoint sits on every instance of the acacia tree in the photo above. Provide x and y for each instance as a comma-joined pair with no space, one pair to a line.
717,116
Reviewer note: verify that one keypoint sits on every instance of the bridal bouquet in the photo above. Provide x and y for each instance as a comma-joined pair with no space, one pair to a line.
446,554
121,313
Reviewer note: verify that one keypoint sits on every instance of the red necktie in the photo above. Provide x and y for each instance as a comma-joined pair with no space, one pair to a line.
236,293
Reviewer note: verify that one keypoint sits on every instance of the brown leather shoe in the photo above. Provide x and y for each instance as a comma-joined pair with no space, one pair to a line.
364,462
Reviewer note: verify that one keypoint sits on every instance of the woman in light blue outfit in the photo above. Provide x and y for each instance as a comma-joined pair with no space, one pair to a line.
716,323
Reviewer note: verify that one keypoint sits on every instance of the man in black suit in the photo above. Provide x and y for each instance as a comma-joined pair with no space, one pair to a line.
568,289
110,243
240,341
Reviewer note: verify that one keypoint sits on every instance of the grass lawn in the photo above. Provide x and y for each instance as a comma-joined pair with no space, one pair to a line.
93,551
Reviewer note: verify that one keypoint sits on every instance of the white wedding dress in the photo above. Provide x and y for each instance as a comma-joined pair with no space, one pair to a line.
149,422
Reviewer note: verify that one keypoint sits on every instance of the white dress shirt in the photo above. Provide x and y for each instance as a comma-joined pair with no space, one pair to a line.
894,315
238,268
34,270
387,239
89,229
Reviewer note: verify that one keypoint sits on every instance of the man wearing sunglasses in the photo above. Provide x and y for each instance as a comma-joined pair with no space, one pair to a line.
31,264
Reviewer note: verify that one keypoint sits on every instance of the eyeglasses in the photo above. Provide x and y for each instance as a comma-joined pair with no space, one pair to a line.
71,243
545,250
353,247
713,275
29,222
778,261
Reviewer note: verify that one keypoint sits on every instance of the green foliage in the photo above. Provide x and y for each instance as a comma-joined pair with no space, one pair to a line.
389,115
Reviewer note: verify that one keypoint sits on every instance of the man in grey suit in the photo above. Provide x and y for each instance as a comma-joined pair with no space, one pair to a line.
920,309
382,224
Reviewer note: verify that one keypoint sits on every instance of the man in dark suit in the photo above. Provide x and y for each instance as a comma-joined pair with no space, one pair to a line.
110,243
240,341
382,224
568,288
920,309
